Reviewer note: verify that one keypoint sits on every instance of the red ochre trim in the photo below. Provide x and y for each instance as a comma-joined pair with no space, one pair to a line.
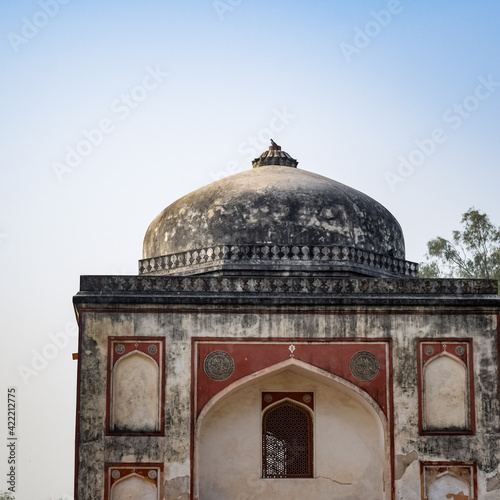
390,423
140,468
473,465
132,344
298,397
467,359
442,344
77,423
498,352
159,358
330,355
193,419
216,343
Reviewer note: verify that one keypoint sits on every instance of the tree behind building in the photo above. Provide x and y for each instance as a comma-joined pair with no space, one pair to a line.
473,252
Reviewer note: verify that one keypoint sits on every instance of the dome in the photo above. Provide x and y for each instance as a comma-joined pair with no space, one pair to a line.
252,219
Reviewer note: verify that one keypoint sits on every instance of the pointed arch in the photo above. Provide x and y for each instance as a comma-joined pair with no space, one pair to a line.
298,366
135,394
448,485
134,487
287,440
446,398
218,430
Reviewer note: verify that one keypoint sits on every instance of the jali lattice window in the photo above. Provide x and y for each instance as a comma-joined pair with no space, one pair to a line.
287,441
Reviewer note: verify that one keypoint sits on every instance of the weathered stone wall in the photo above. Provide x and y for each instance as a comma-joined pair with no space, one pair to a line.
178,324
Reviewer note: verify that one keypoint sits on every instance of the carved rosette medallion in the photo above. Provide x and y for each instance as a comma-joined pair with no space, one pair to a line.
429,350
218,365
307,398
268,398
364,365
460,350
152,349
120,349
152,474
115,474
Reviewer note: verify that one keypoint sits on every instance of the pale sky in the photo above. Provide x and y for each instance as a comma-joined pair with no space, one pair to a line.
112,110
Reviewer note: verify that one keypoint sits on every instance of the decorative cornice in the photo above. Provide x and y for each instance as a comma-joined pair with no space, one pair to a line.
287,286
278,258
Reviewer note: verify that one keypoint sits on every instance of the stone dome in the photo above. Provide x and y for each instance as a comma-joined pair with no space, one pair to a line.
256,216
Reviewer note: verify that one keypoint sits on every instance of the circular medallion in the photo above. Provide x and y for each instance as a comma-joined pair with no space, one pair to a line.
307,398
460,350
268,398
218,365
120,349
152,474
364,365
152,349
115,474
429,350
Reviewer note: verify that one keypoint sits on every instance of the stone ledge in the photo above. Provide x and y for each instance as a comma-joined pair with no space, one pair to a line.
279,256
287,286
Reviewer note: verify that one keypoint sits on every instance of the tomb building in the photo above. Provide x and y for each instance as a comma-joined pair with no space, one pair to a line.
276,343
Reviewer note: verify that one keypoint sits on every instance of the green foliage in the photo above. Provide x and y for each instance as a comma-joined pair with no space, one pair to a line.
473,252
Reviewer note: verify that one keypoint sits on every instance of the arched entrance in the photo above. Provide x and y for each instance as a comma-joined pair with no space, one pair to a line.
350,432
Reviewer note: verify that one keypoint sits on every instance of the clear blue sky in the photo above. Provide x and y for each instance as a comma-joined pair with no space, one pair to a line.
186,91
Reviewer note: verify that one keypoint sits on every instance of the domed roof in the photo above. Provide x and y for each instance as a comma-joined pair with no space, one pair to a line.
274,205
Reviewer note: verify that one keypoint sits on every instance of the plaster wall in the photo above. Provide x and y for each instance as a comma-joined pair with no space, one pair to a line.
446,402
446,485
178,325
134,488
136,390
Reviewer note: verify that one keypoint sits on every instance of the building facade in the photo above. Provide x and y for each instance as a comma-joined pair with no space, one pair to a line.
277,344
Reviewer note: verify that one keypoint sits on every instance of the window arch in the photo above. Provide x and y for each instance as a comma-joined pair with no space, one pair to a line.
287,441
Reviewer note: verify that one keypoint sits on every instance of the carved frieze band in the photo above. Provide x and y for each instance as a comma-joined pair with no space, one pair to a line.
288,253
286,285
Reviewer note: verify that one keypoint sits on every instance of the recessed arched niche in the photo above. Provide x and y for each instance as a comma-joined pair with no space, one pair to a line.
135,405
448,480
350,440
445,395
134,487
448,486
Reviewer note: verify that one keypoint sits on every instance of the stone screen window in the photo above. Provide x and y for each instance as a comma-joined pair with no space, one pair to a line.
287,437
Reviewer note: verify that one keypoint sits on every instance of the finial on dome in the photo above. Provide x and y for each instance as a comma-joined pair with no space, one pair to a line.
274,156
